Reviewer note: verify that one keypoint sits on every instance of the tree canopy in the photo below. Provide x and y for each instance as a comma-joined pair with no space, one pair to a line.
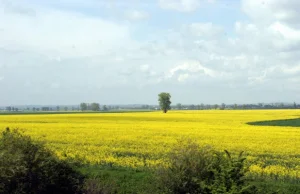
164,100
83,106
95,106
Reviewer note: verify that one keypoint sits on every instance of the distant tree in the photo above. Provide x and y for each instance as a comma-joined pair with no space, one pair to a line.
295,105
88,106
191,107
235,106
201,106
57,108
66,108
83,106
179,106
33,109
281,105
95,106
223,106
216,106
164,100
13,108
37,109
105,108
45,108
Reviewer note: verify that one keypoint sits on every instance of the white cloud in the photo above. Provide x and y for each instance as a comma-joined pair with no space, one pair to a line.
258,79
144,68
285,31
204,30
180,5
136,15
276,24
291,70
266,11
183,71
60,33
183,77
46,48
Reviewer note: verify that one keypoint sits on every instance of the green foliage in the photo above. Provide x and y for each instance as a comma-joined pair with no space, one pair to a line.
164,100
106,179
223,106
28,167
83,106
95,107
98,186
179,106
195,169
276,187
105,108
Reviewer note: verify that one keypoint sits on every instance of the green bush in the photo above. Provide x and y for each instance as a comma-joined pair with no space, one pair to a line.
194,169
28,167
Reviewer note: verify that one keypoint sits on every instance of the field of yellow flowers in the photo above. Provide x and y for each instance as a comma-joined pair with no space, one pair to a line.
143,139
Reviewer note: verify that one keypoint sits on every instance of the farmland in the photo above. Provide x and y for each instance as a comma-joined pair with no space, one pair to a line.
138,140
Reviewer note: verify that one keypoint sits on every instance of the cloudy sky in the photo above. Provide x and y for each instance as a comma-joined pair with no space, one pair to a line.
127,51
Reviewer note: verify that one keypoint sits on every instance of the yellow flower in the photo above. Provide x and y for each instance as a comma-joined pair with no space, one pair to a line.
143,139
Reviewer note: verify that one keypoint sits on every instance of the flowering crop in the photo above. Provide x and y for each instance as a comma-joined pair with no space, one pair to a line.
143,139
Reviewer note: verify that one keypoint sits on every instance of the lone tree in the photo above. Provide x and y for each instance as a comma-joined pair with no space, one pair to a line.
164,100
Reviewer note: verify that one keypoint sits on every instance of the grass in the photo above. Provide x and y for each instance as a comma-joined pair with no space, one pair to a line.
131,181
281,123
120,179
276,187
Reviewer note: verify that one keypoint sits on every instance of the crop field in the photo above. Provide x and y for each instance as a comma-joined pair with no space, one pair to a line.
136,140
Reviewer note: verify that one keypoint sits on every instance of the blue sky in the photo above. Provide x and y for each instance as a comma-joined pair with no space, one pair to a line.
113,51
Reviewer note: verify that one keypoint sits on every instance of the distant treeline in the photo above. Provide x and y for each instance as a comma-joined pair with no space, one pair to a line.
41,108
97,107
235,106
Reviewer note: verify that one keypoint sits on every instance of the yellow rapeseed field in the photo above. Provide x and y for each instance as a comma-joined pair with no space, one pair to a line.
142,139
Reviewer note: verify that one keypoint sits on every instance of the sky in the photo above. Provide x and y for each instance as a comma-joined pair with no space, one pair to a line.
128,51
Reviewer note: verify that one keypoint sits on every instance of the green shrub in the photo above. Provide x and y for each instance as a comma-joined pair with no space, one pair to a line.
194,169
28,167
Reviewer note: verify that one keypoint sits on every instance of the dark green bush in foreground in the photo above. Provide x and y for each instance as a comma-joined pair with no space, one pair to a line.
194,169
28,167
